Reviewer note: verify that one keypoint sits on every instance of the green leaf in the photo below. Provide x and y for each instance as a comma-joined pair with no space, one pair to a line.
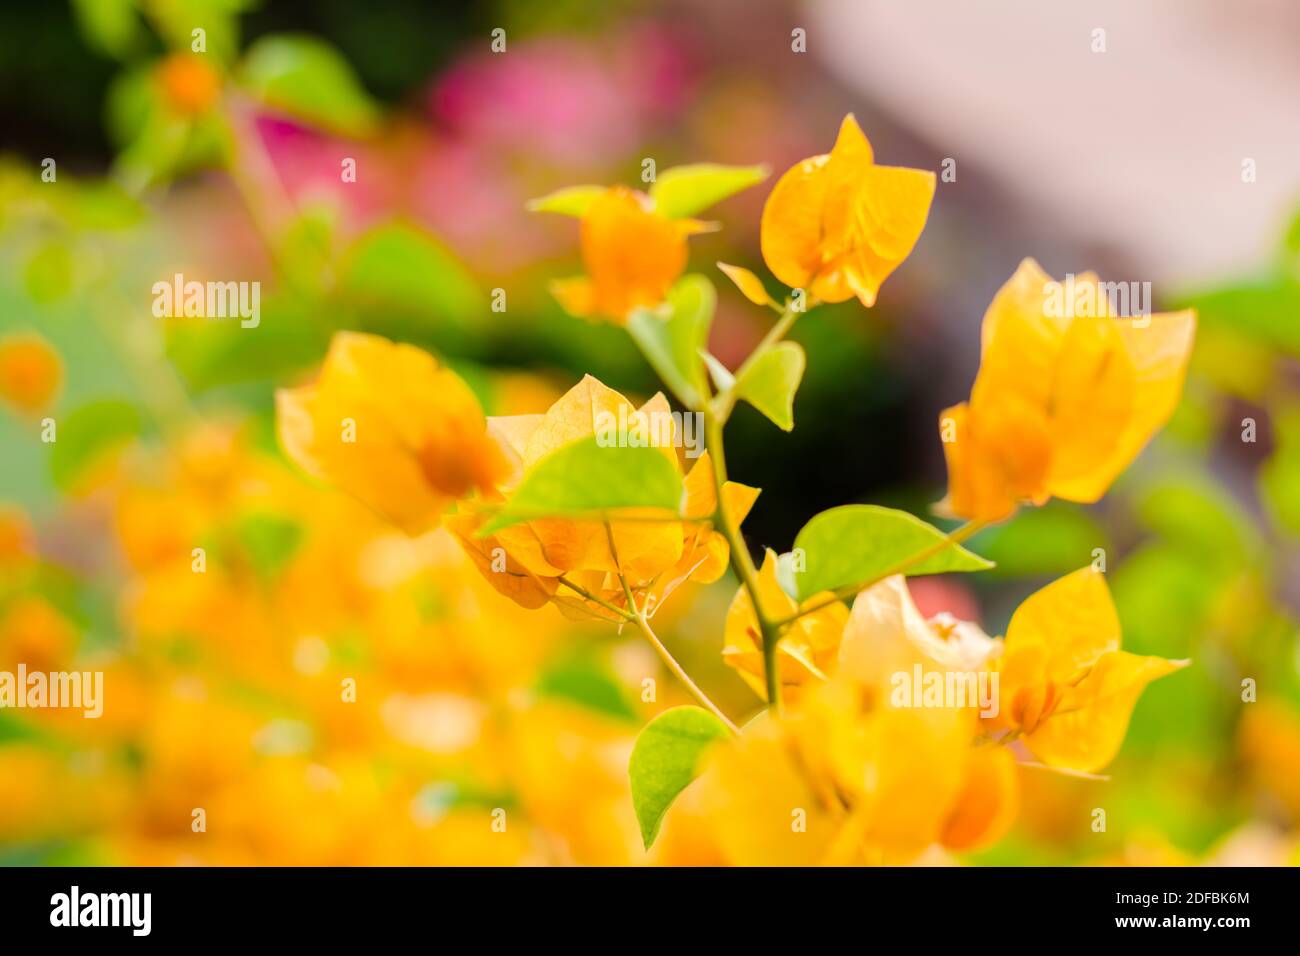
111,26
856,544
590,478
1262,310
673,337
1055,539
665,759
686,190
770,382
86,434
398,270
570,201
586,680
308,78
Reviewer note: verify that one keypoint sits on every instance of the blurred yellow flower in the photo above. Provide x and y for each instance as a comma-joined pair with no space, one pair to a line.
632,252
30,372
842,778
1065,685
387,424
988,803
1066,397
837,224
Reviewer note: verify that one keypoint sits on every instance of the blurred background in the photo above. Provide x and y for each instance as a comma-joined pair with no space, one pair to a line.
1153,143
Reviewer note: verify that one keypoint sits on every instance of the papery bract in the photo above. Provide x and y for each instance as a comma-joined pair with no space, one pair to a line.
837,224
390,426
1065,397
1066,686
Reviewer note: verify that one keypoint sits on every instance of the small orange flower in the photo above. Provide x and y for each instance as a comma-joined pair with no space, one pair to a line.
17,541
391,427
189,85
632,252
1066,397
837,224
30,372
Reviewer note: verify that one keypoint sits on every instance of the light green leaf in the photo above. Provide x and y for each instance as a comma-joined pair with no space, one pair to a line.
686,190
770,382
856,544
308,78
584,679
570,201
665,759
672,337
399,269
591,478
111,26
86,434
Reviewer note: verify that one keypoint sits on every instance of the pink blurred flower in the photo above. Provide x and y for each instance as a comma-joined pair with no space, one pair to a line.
935,595
574,104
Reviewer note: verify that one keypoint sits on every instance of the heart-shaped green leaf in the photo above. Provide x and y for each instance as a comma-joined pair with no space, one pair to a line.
673,336
861,544
665,758
770,382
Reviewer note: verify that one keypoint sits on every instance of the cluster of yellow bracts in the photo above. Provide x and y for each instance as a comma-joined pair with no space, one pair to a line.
1064,400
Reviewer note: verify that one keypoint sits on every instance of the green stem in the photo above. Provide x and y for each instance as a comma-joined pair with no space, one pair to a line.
742,563
637,616
726,400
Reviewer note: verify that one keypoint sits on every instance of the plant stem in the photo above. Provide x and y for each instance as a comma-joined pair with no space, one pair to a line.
726,400
637,617
742,563
594,599
643,625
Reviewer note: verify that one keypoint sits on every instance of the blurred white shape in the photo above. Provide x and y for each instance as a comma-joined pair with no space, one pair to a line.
1140,147
438,723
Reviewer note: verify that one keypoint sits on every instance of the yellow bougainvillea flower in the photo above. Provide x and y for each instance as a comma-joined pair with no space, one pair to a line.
885,639
886,634
1066,397
30,372
189,85
390,426
632,253
1065,685
837,224
807,650
842,778
525,561
988,802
